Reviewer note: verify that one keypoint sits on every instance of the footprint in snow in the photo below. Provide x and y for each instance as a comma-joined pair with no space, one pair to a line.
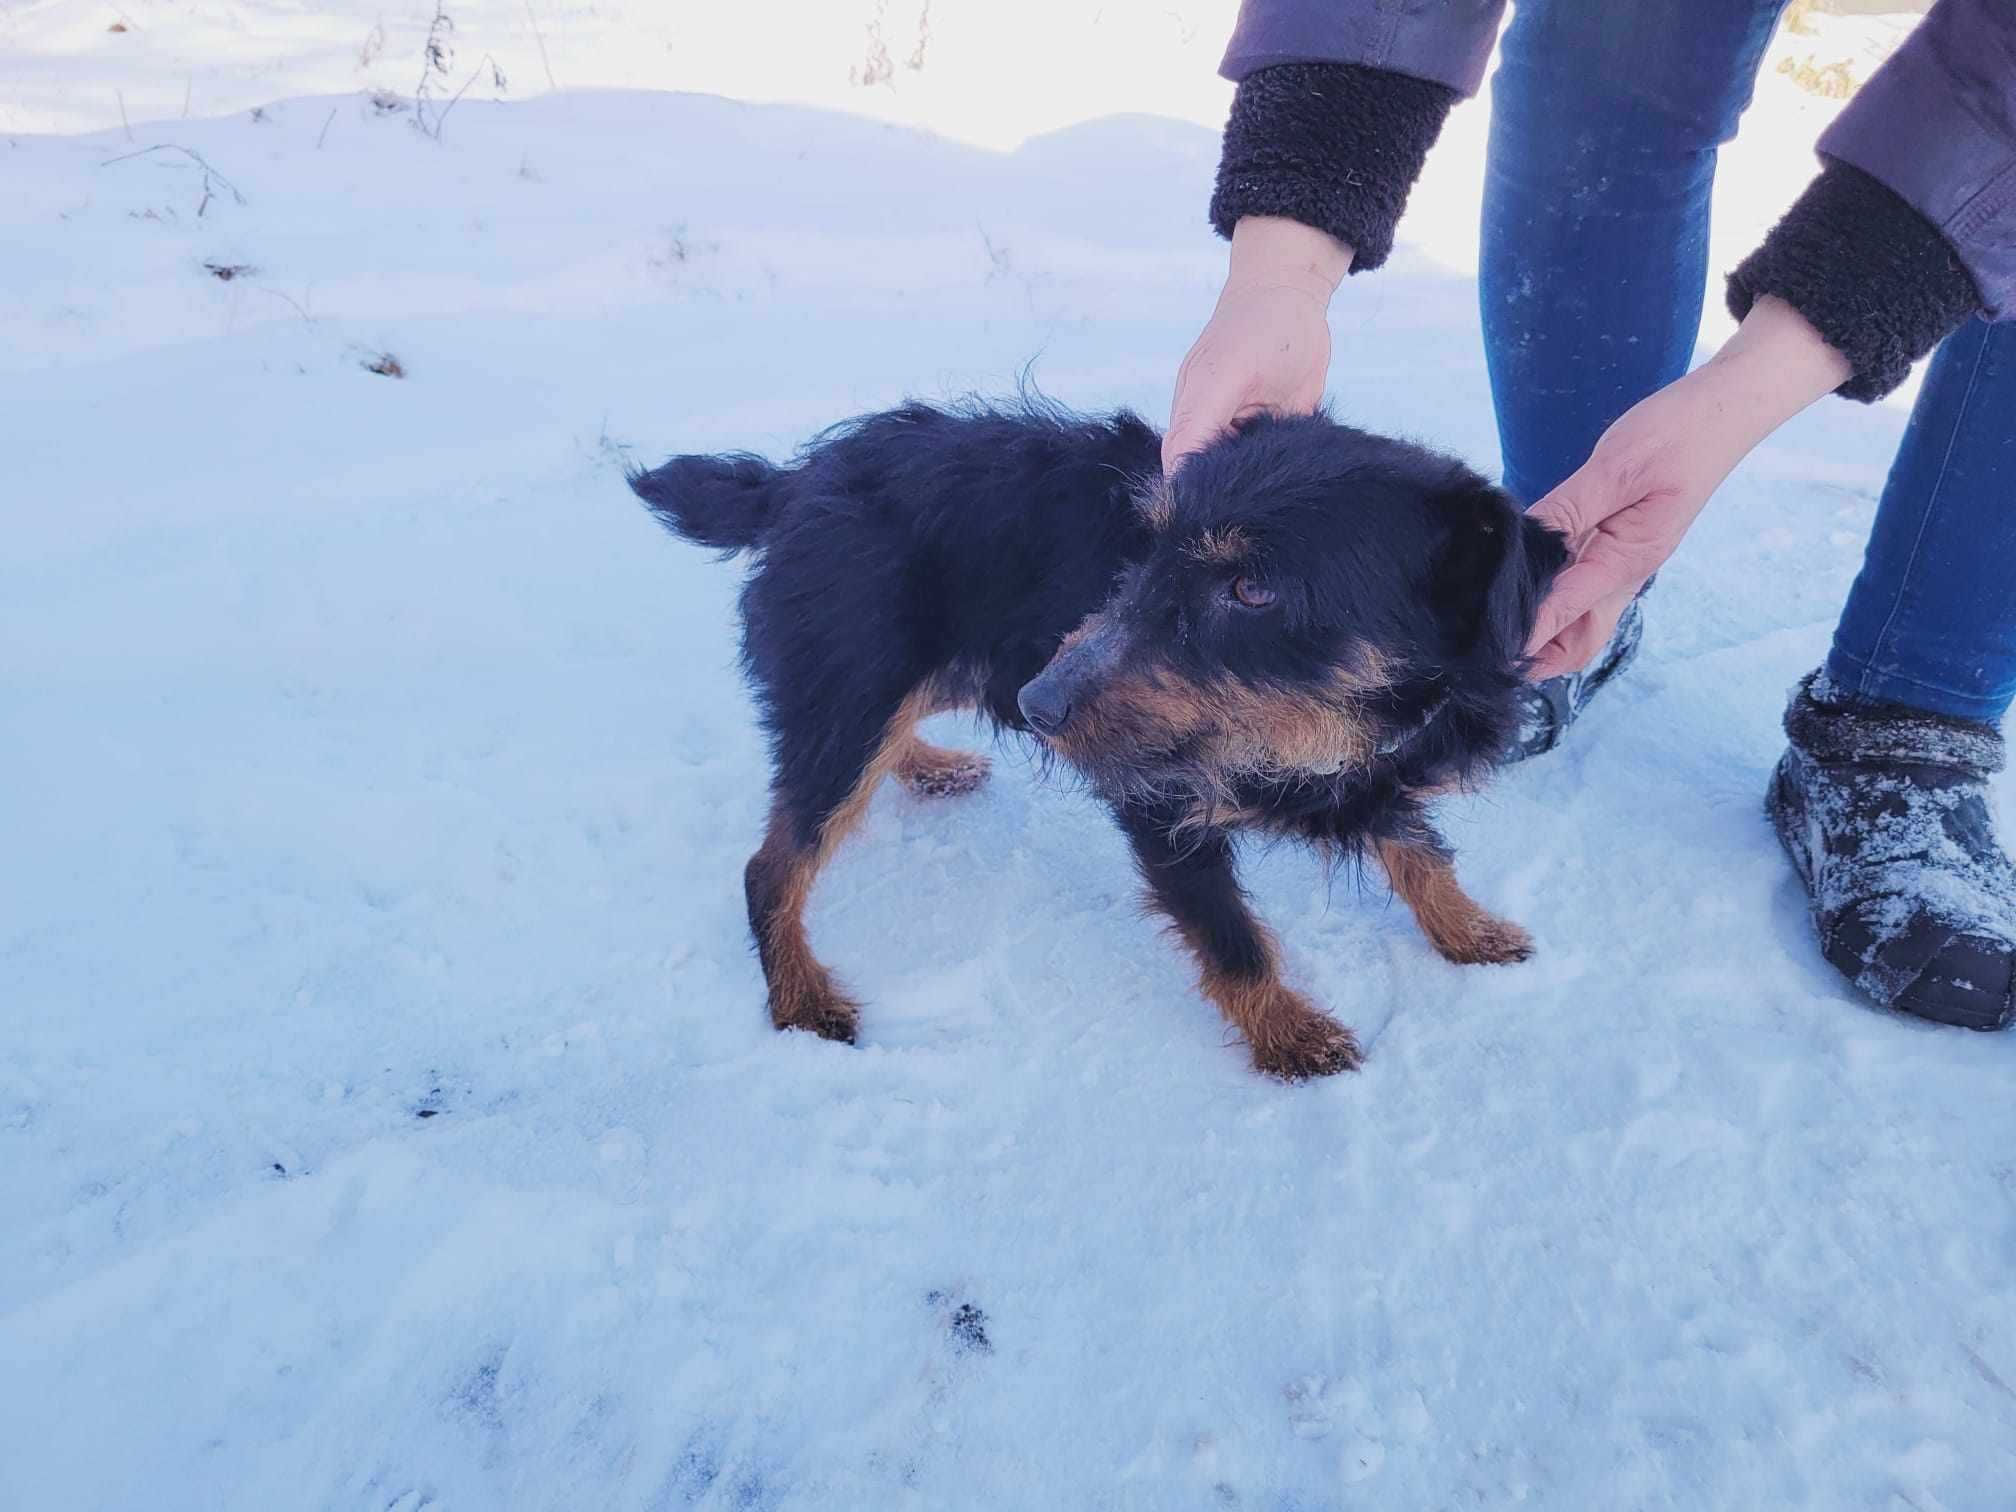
1338,1411
965,1323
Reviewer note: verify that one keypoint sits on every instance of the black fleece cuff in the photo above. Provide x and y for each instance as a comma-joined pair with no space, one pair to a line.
1332,145
1874,276
1852,731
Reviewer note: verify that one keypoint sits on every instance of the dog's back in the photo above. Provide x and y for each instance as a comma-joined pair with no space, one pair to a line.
980,472
982,533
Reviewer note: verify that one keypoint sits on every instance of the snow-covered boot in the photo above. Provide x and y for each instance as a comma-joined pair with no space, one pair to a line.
1884,811
1548,708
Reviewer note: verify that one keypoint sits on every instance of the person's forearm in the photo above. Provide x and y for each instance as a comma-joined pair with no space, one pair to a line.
1271,251
1267,345
1772,368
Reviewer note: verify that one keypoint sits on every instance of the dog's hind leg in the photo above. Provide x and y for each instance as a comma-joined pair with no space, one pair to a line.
777,883
934,772
1239,962
816,800
1459,927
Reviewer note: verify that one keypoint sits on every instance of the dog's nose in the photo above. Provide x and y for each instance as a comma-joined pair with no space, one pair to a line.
1047,708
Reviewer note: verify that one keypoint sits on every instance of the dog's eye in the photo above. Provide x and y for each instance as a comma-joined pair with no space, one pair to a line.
1253,593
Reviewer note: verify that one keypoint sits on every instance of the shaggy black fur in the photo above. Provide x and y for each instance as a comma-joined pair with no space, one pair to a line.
1336,146
1309,630
1875,277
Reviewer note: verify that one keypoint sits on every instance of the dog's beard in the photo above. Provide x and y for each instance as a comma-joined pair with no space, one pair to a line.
1137,776
1201,779
1168,743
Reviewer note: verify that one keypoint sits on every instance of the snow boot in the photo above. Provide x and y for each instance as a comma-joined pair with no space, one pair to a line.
1884,811
1549,708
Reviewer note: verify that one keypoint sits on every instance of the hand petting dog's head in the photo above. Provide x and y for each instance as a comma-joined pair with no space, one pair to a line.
1313,598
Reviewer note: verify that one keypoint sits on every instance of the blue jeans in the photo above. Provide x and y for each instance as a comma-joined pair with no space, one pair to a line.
1606,122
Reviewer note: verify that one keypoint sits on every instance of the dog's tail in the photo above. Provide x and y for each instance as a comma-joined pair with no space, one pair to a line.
726,502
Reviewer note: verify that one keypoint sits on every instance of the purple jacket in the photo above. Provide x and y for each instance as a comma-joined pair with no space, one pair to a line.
1936,124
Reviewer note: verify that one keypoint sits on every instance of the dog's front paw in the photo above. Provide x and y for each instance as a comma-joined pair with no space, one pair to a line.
1308,1043
1489,942
822,1010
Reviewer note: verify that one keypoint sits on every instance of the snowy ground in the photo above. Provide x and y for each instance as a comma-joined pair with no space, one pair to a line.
388,1117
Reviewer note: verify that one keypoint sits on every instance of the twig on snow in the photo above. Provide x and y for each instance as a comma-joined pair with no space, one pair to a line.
437,56
202,162
441,121
299,308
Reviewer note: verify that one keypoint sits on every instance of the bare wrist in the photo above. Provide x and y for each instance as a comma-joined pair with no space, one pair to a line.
1271,250
1778,363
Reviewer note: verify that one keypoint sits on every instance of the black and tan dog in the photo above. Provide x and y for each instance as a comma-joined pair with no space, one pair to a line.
1307,630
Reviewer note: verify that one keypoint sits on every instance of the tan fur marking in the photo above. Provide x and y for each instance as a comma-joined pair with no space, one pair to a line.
895,741
933,772
1258,731
1428,791
1289,1036
1274,729
1154,505
803,993
1370,670
1221,548
1250,731
1129,711
1456,924
1216,813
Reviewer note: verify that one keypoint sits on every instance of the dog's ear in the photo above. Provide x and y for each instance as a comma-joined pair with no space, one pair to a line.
1495,569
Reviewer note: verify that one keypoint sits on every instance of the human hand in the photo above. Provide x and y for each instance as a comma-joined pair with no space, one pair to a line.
1267,345
1625,510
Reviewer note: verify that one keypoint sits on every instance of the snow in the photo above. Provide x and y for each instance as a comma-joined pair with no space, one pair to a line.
388,1116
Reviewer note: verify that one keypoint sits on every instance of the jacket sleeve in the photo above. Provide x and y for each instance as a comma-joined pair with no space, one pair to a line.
1911,226
1338,104
1446,42
1332,145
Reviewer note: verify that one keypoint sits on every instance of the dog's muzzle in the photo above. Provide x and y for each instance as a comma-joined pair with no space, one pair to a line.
1070,682
1044,706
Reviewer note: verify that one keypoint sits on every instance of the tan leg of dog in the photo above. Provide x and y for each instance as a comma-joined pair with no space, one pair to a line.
933,772
803,994
1237,957
1459,928
1290,1037
778,883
